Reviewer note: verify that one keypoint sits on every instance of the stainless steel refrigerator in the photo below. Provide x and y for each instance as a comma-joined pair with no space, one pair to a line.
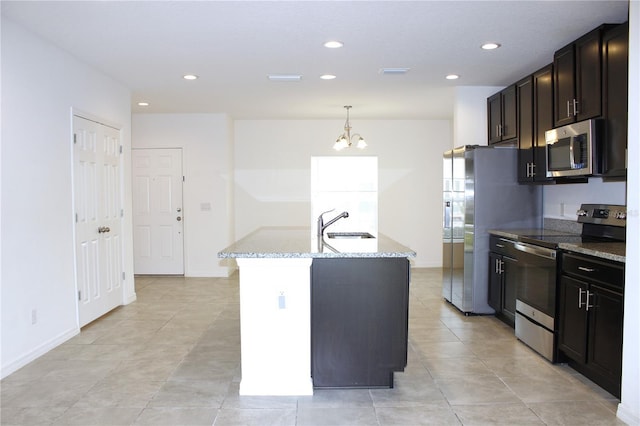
480,192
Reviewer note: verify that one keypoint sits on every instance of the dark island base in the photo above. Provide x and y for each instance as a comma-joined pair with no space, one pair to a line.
359,320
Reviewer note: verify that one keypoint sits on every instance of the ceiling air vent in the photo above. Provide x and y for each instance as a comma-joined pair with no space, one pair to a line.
285,77
393,71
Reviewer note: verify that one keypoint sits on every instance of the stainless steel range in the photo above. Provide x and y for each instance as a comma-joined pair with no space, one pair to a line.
536,273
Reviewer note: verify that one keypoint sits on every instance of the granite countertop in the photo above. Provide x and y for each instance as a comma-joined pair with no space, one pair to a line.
301,242
612,251
515,233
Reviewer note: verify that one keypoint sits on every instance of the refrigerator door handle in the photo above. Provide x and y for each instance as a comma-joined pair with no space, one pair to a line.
447,214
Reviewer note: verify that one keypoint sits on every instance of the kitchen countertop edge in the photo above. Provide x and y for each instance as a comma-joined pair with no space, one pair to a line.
612,251
296,242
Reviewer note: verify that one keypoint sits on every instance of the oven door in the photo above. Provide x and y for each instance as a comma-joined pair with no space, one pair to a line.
535,323
536,277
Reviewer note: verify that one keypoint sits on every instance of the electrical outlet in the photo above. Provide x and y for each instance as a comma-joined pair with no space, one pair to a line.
34,316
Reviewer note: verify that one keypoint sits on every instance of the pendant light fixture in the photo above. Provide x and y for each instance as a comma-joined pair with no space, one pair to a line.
344,140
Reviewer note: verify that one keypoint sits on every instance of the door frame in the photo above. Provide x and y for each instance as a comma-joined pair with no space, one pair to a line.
91,117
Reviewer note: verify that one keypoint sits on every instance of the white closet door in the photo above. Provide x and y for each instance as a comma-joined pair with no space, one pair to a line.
98,209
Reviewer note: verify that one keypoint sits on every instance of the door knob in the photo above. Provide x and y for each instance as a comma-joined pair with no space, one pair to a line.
103,229
178,218
179,210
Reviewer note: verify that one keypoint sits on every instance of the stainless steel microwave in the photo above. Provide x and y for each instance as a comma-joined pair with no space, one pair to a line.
572,149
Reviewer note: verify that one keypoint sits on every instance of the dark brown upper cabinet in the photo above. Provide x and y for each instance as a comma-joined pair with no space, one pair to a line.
526,144
615,70
535,117
578,79
542,120
502,115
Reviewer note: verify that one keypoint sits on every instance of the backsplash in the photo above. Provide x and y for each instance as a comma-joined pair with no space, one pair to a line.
562,225
562,201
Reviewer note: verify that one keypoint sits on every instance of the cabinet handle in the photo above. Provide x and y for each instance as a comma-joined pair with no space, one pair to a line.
585,269
587,305
497,269
499,246
575,107
568,109
580,297
533,170
501,267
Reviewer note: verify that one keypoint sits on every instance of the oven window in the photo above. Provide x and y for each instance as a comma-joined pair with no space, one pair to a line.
536,285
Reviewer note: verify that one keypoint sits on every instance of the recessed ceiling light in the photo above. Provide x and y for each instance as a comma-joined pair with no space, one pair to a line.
490,46
452,77
143,103
327,76
284,77
190,77
333,44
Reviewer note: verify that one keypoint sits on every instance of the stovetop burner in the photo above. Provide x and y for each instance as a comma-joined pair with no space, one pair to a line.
600,223
552,241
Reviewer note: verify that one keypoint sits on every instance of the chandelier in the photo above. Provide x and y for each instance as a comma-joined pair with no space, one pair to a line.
345,139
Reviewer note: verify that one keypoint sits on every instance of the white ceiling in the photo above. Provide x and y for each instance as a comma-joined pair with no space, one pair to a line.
234,45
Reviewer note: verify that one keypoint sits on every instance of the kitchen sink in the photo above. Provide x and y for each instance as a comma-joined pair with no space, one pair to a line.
352,235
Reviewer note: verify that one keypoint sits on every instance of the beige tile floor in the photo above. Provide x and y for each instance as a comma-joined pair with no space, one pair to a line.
172,358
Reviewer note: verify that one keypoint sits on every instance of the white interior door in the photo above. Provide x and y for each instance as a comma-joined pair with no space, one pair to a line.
157,211
98,209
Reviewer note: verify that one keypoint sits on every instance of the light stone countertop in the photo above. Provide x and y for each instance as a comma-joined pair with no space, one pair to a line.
300,242
515,233
612,251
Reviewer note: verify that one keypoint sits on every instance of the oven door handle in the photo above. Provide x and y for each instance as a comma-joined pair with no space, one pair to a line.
536,251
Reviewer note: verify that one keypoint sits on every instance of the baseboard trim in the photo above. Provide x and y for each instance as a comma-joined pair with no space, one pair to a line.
627,415
130,299
37,352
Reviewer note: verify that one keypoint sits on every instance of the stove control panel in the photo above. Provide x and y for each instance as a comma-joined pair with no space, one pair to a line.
603,214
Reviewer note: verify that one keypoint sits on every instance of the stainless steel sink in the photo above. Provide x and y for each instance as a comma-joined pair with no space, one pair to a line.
351,235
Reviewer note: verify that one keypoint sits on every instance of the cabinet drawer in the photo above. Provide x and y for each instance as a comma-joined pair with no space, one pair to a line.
500,245
593,269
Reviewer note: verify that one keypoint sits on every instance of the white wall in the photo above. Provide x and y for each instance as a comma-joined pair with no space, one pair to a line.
40,86
562,201
272,175
470,114
206,145
629,408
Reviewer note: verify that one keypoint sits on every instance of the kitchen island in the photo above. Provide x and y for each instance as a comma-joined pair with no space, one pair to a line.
356,285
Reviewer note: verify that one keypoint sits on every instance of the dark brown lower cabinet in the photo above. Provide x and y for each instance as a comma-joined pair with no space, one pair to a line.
359,320
591,318
502,285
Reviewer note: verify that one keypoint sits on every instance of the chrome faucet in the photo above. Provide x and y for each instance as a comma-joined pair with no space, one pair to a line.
322,226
